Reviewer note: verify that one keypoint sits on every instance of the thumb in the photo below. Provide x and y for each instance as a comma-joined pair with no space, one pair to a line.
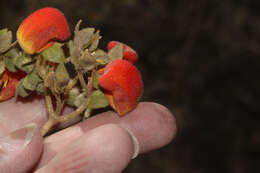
20,149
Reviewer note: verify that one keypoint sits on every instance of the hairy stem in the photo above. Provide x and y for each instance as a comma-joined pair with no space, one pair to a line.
73,115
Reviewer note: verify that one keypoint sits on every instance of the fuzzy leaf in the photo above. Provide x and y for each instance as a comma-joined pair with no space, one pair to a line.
40,88
25,63
79,100
31,81
2,66
9,64
5,40
98,100
54,53
116,52
62,77
10,58
83,37
21,91
13,53
95,80
101,57
86,62
95,41
73,93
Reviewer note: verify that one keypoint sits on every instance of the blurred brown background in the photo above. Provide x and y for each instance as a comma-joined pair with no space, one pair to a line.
199,58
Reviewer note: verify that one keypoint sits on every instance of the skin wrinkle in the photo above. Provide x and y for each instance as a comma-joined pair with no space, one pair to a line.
86,153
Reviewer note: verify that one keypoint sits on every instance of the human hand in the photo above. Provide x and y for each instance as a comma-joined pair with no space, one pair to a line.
103,143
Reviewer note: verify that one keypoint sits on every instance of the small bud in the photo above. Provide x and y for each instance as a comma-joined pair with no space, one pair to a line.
122,85
39,30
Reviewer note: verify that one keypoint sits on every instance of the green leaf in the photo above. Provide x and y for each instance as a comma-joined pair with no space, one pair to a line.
54,53
116,52
13,53
21,91
5,40
98,100
10,58
25,63
9,64
95,80
31,81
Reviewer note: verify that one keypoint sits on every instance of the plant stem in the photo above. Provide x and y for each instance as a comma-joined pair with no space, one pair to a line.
73,115
70,85
47,126
82,81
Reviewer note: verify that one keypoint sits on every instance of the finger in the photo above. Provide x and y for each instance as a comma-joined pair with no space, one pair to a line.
16,113
152,124
107,148
20,150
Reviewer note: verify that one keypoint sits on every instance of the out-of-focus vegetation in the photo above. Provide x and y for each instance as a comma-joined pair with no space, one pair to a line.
199,58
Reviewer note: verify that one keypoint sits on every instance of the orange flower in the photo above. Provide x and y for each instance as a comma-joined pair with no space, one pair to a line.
8,83
39,30
128,53
122,85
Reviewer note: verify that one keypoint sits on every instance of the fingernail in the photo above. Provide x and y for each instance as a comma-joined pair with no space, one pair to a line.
135,142
18,139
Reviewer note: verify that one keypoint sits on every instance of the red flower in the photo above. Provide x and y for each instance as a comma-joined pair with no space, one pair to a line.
39,30
122,85
8,83
128,53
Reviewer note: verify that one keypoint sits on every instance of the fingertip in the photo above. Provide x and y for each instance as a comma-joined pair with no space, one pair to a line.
21,149
107,148
153,125
167,121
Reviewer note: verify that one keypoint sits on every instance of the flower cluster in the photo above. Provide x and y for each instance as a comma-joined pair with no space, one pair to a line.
67,72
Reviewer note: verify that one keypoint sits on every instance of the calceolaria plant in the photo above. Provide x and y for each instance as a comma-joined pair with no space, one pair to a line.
67,72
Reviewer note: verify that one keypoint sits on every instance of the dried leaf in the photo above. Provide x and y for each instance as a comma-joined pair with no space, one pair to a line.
98,100
5,40
62,77
116,52
54,53
31,81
